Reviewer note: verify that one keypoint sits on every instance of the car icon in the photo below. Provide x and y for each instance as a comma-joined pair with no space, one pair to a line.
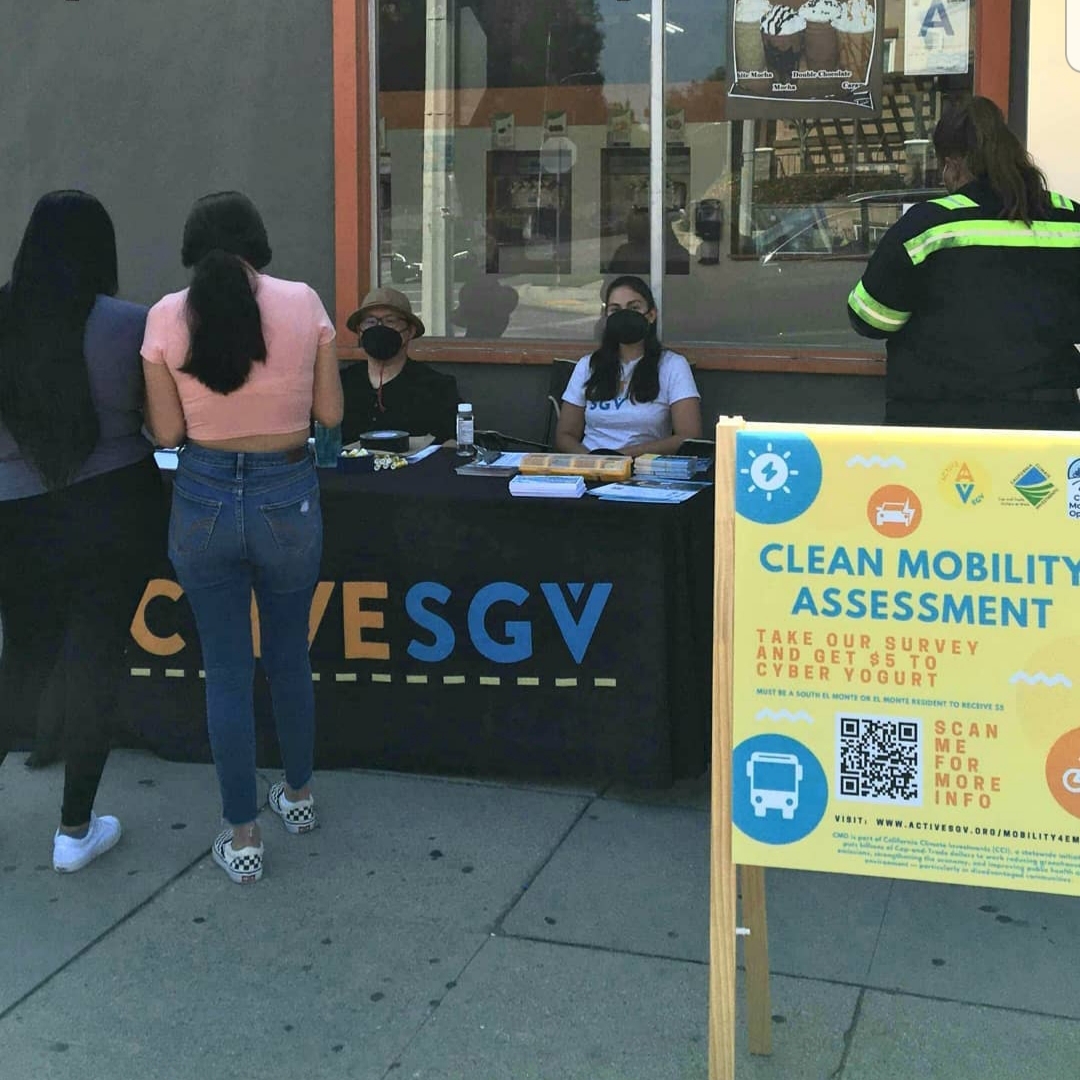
894,513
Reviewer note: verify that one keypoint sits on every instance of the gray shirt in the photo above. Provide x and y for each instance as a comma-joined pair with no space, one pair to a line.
111,343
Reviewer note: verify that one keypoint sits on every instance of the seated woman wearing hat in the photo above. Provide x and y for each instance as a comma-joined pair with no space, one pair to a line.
390,391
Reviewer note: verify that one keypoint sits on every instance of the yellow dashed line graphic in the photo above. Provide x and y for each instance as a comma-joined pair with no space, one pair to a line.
412,680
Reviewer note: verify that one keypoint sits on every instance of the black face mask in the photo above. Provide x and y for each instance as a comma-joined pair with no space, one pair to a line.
381,342
626,327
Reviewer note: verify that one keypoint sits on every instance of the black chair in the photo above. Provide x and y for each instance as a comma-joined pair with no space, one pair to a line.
500,440
561,370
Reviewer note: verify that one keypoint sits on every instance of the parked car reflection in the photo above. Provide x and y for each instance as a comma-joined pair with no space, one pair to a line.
404,270
848,229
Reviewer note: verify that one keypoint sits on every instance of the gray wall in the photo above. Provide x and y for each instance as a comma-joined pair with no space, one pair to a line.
149,104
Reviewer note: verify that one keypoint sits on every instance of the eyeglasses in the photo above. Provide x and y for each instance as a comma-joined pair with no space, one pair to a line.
635,305
393,322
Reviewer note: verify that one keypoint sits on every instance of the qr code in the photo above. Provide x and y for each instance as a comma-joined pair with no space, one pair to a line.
878,759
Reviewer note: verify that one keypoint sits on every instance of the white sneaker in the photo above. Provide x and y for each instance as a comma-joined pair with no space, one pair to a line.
243,865
297,817
71,854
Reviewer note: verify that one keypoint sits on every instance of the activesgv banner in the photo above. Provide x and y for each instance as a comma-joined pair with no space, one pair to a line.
907,654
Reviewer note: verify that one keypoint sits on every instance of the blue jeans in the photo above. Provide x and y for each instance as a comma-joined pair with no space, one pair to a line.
243,521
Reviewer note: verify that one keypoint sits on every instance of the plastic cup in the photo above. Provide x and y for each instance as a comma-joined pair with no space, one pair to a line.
327,445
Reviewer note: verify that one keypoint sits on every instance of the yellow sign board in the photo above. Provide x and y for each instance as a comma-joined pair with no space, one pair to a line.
907,654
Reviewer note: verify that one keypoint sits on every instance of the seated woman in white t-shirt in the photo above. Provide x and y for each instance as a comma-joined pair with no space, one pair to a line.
632,396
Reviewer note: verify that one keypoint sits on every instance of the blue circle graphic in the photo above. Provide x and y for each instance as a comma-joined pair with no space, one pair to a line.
777,475
779,790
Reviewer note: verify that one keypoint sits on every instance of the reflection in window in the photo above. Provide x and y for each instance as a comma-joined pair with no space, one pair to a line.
514,172
782,214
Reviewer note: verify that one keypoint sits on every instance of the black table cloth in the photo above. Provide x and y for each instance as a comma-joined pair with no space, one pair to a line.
460,629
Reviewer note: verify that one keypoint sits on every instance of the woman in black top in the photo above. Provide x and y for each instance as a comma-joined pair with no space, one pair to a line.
81,502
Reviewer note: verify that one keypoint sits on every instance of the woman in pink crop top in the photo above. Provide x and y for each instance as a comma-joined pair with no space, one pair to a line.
236,366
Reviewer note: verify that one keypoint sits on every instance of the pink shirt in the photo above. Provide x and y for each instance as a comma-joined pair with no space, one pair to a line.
276,398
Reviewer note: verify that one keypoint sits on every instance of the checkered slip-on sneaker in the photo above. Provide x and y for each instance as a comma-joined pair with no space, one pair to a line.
297,817
243,866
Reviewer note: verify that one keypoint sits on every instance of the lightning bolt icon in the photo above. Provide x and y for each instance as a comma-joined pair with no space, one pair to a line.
768,471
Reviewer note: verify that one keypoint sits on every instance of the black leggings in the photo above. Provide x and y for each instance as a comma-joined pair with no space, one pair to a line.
73,564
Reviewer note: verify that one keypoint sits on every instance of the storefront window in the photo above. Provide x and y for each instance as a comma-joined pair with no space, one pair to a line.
782,214
514,155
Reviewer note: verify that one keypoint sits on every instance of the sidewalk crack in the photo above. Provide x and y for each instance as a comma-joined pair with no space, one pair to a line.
126,917
881,928
849,1037
497,925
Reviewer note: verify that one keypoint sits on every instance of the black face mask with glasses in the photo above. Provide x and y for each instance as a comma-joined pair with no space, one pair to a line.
381,342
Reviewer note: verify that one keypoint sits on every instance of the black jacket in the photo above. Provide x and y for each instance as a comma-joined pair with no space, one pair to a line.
981,314
419,400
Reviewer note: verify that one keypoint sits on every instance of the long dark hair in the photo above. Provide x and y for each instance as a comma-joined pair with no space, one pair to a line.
223,232
602,384
975,131
67,257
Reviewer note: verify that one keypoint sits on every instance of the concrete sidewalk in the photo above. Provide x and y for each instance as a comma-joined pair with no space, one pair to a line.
478,931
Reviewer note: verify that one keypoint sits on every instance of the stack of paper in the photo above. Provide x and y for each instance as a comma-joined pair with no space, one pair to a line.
649,491
667,466
548,487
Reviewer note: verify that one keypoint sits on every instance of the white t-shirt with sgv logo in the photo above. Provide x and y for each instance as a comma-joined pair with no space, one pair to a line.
611,425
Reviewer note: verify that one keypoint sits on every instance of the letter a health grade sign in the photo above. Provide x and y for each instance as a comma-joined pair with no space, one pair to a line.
906,642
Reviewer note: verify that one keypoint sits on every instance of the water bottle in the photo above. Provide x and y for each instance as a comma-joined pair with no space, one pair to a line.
465,431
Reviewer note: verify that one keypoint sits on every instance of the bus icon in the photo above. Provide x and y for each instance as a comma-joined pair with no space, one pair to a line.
774,783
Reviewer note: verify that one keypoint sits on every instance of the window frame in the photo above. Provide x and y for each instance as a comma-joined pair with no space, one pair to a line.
356,211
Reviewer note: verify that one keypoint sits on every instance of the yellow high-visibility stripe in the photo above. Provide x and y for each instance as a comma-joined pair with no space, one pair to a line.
992,233
874,312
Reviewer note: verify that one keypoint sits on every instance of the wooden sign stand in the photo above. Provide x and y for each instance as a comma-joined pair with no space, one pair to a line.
723,924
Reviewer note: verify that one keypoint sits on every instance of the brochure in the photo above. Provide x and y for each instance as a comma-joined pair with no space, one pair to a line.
548,487
650,491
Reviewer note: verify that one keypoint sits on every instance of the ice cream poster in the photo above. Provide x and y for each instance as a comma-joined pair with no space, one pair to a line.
674,126
620,121
502,131
936,37
555,124
907,654
805,58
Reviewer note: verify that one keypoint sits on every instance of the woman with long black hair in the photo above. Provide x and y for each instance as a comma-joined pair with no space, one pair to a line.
79,493
978,293
236,367
631,396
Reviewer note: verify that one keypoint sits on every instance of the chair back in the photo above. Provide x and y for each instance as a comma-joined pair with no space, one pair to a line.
561,370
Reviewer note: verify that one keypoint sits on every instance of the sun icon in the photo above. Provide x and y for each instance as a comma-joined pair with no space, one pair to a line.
787,465
769,472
